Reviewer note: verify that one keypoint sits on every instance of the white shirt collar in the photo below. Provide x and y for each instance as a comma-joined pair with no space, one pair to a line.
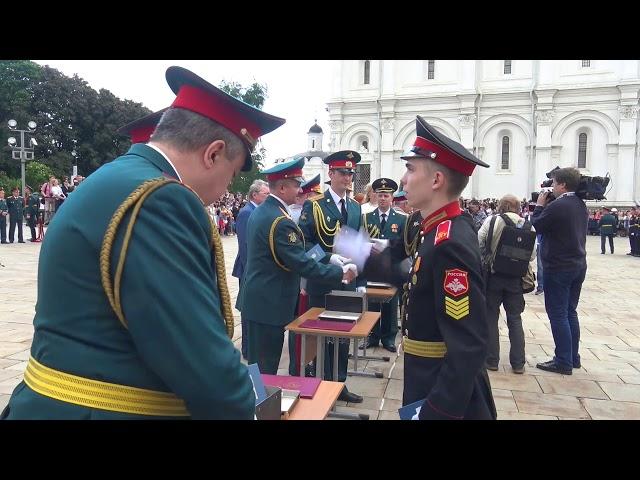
387,213
167,159
286,207
337,198
253,203
567,194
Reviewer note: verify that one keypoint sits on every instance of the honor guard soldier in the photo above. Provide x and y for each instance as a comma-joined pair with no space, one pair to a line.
4,213
384,223
140,130
151,337
608,228
321,218
446,331
276,258
15,205
32,210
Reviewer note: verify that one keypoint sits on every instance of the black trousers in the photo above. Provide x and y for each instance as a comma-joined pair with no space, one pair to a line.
244,342
265,346
13,223
602,242
386,328
31,222
508,293
343,348
3,228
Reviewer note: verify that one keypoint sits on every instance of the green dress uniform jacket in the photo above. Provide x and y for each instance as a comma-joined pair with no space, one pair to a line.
176,339
31,212
446,329
608,224
15,206
3,206
276,259
319,222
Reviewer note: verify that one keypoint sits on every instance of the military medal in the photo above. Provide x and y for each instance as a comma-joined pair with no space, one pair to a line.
414,279
394,228
417,265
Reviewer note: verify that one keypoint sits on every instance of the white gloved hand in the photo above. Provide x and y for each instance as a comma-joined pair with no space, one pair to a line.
353,244
379,245
415,417
361,289
350,266
338,260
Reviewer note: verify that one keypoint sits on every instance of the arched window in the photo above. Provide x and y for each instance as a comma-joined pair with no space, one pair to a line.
582,150
505,153
586,63
367,72
431,70
507,67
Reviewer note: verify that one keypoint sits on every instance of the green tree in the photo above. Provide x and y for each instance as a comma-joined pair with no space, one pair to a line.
36,173
254,95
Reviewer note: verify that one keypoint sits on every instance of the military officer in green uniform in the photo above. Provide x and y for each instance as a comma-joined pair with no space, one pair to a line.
320,220
4,212
384,223
410,240
608,227
151,334
15,204
31,212
276,258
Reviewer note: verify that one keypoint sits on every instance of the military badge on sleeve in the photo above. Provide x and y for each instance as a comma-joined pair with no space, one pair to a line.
293,238
456,284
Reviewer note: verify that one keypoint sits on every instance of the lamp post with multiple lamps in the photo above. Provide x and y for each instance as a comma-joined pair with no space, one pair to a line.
22,152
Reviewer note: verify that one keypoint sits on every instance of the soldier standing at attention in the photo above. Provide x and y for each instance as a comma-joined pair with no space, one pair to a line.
151,337
31,212
15,204
446,330
4,212
386,224
276,259
608,227
322,217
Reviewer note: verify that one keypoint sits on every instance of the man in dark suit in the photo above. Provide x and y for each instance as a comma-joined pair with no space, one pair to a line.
258,193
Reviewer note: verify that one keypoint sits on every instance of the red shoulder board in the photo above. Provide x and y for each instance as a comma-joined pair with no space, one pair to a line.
442,233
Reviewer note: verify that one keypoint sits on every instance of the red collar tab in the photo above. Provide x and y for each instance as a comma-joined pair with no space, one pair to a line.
450,210
218,109
441,155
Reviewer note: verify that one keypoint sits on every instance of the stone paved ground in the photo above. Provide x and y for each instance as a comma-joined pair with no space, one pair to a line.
606,387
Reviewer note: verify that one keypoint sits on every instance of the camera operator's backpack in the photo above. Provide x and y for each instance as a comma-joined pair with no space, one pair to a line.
514,247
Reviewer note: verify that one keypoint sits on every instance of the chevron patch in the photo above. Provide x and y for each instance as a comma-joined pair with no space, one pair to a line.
456,309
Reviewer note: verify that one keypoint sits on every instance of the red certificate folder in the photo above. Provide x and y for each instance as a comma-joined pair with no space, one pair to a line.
328,325
307,386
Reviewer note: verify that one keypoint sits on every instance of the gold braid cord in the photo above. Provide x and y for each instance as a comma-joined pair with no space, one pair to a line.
372,230
135,200
321,225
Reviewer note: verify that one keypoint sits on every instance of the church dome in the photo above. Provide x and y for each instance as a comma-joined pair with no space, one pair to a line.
315,128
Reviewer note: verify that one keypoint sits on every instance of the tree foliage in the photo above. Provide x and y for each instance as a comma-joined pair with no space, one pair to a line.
254,95
36,173
70,116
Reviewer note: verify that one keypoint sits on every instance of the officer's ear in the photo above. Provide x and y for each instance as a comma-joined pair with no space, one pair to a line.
214,152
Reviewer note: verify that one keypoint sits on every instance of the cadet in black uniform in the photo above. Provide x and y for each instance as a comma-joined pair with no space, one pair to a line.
446,330
31,212
634,232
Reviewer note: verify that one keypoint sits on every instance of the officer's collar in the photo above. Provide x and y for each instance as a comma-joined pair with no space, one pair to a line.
155,156
450,210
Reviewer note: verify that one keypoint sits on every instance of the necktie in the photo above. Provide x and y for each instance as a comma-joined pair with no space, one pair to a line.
343,211
383,223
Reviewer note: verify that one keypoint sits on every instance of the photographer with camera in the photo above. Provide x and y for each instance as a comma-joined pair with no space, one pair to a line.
563,223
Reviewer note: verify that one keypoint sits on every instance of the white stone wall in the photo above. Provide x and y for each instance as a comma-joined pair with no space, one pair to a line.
542,106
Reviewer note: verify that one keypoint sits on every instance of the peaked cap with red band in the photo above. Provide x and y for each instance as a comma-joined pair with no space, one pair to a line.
197,95
140,130
344,159
291,169
312,185
432,144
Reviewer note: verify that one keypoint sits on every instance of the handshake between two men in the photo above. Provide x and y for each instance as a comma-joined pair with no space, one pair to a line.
352,249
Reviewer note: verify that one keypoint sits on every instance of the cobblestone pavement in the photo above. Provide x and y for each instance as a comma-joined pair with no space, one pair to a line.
606,387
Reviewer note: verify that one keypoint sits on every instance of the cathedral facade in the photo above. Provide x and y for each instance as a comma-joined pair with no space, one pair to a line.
522,117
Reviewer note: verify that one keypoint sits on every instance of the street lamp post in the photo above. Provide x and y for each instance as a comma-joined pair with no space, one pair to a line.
22,152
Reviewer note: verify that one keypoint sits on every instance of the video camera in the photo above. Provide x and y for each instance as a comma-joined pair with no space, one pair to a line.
590,188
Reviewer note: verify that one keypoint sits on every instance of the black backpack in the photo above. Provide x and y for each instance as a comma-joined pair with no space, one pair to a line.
514,247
